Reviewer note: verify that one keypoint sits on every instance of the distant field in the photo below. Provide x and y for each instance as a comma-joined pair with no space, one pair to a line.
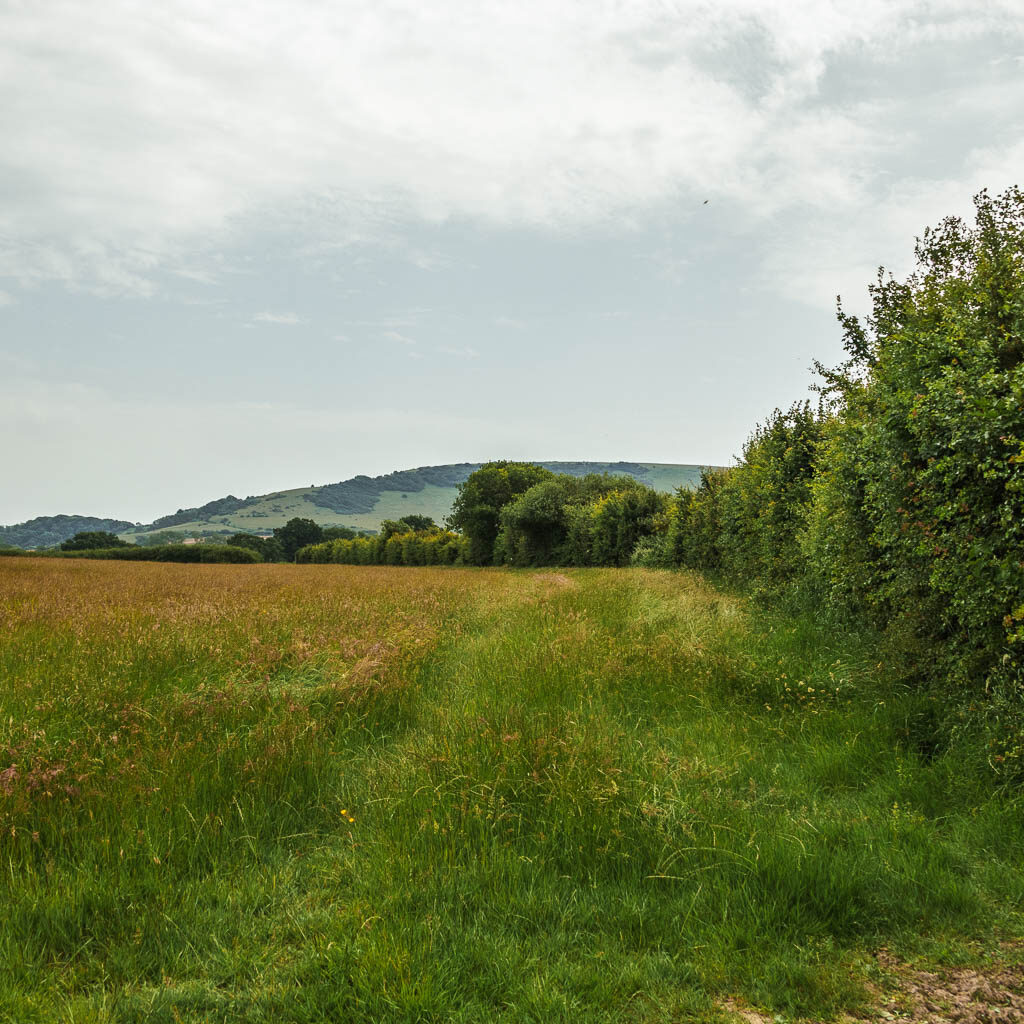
263,514
330,793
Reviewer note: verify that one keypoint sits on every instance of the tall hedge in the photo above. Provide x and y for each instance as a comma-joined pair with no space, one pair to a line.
209,553
413,547
902,499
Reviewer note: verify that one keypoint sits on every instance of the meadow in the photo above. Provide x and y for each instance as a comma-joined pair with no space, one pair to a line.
367,794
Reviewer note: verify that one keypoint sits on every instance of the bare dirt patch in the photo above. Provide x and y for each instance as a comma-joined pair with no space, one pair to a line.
953,995
945,995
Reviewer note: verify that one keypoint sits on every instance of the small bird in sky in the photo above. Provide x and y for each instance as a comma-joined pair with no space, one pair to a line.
705,203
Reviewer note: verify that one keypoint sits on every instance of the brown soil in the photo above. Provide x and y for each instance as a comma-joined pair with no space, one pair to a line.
946,995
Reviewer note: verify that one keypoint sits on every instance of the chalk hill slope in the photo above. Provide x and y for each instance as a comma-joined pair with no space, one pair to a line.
361,502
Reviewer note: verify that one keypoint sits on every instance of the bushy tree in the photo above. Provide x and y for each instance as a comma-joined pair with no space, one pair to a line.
86,540
161,537
338,533
478,505
407,524
418,524
268,548
297,533
567,520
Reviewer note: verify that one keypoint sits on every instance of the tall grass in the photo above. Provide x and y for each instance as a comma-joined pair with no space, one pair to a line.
306,793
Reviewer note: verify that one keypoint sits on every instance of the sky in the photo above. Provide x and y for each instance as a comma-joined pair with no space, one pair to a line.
252,246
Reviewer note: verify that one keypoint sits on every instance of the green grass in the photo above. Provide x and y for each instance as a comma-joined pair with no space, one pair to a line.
603,796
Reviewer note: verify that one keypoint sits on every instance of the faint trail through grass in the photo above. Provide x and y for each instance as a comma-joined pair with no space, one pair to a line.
338,793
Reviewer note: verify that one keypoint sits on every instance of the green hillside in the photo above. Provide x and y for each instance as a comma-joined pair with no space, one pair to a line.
363,502
48,531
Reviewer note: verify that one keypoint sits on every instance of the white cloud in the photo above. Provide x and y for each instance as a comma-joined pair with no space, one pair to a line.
151,132
465,352
840,253
286,319
6,299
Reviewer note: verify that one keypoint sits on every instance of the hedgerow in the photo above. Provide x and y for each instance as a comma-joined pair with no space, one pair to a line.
900,500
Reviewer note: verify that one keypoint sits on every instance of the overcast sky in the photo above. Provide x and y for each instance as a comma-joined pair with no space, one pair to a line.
246,246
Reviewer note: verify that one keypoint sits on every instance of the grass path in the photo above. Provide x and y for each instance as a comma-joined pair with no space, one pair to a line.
332,793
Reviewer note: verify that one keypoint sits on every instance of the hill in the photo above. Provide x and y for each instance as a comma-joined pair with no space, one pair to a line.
47,531
361,502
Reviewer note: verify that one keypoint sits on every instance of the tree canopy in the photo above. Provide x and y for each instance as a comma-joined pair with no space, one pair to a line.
481,498
297,533
86,540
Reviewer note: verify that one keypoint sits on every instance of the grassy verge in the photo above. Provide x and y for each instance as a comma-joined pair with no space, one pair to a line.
303,793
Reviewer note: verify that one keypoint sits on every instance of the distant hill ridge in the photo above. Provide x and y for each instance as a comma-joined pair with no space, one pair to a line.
361,493
361,502
46,531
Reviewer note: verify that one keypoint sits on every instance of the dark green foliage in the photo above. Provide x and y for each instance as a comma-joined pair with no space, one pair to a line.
534,526
407,524
919,507
162,537
219,507
89,539
621,519
361,493
517,514
418,523
297,533
269,549
339,533
210,553
49,531
903,501
745,521
590,520
477,509
290,538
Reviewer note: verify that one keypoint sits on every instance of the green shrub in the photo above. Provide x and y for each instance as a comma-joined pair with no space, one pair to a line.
429,547
918,510
592,520
87,540
212,553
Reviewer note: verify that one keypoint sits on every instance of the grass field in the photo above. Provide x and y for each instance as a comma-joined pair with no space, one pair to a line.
331,793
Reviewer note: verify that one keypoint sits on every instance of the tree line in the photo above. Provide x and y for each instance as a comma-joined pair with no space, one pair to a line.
517,514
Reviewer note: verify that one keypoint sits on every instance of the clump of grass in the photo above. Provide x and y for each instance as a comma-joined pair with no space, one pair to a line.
324,792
